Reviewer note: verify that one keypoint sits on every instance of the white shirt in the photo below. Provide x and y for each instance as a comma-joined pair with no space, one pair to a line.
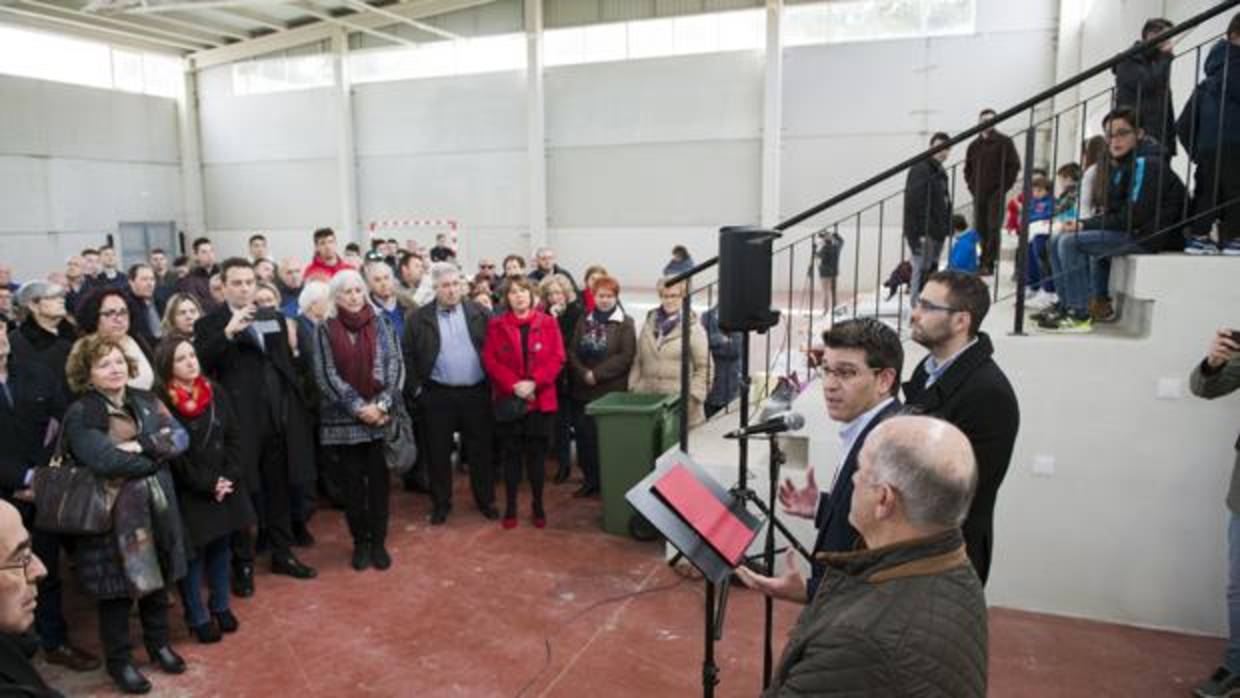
851,431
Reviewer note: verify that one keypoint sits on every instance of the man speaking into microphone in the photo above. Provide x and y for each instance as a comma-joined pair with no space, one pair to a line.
860,374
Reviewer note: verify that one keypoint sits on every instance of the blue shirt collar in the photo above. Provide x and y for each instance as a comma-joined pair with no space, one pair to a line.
935,370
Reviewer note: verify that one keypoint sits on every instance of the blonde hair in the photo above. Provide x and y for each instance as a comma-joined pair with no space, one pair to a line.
555,281
168,323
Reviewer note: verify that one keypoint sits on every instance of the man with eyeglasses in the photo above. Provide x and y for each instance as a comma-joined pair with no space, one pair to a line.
860,374
20,573
1145,200
960,382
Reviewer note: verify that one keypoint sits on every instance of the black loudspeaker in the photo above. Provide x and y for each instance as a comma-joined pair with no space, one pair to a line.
745,279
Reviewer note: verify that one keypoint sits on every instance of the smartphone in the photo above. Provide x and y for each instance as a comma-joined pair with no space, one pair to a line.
1235,336
267,314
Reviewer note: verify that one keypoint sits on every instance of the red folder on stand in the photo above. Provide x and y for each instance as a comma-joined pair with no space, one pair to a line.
705,514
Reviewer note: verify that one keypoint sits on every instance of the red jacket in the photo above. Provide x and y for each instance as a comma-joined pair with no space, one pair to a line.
502,357
320,268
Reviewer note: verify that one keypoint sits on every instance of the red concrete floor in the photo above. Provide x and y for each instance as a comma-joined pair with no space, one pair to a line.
469,609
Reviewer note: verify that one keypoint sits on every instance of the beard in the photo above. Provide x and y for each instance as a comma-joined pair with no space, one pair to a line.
930,337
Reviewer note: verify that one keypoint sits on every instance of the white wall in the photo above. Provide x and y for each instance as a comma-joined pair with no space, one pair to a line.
74,162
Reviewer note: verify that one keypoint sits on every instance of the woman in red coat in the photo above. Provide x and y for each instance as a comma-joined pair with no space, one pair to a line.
523,354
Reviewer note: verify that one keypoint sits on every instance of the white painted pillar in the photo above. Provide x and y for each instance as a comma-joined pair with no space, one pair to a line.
535,126
193,202
349,226
772,113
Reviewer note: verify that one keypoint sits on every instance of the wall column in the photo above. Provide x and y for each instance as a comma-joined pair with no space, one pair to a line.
350,227
535,126
772,113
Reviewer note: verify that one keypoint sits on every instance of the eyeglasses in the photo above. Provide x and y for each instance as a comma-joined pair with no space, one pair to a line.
486,266
22,564
844,374
119,312
1120,133
930,307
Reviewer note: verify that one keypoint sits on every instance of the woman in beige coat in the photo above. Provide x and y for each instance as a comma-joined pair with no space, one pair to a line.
656,368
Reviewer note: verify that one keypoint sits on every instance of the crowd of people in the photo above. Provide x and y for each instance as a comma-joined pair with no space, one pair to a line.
226,400
1123,196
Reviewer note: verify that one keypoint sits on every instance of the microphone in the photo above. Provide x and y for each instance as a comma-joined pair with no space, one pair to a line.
788,421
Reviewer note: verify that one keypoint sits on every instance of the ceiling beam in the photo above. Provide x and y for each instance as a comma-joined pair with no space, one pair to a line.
191,42
319,31
201,27
361,6
262,20
348,24
202,5
94,28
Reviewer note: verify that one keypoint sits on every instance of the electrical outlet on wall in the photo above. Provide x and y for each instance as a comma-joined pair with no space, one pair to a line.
1044,466
1170,388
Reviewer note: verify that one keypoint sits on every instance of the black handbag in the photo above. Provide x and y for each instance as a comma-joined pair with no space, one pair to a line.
70,499
511,409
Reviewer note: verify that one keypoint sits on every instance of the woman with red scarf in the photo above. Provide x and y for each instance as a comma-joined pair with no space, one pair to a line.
523,354
360,371
208,482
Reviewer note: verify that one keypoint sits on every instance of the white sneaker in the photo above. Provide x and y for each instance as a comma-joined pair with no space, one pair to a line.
1037,301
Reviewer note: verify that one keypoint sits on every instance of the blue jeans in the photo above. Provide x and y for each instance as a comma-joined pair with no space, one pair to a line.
212,559
1037,277
1077,256
1231,659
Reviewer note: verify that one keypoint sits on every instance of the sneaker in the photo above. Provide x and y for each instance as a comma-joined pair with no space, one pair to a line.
1068,324
1232,248
1051,313
1222,684
1201,246
1038,300
1101,310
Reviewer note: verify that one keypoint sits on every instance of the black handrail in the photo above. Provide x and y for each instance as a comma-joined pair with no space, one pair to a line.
999,118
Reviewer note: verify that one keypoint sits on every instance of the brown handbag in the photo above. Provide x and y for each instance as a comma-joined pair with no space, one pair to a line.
71,499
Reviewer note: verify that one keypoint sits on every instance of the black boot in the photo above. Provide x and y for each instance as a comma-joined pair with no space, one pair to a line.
243,579
289,565
379,556
226,621
167,660
561,473
127,678
361,555
206,633
302,538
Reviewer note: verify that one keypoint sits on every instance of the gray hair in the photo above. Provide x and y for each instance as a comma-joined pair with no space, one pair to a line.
440,270
343,279
312,292
934,494
374,264
32,291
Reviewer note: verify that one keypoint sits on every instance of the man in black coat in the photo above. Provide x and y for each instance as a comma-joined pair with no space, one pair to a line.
1143,83
443,356
144,312
927,213
31,405
21,572
249,355
860,373
960,383
990,167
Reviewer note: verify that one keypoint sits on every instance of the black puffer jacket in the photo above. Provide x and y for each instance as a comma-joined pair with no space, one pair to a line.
1143,82
927,203
905,620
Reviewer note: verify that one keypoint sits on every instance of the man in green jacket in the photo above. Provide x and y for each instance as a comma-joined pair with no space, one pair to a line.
906,616
1219,374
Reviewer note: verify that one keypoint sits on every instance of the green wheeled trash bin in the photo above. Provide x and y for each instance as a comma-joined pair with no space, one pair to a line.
633,430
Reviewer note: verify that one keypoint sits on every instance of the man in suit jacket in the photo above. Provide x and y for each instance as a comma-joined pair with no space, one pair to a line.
860,372
249,355
443,356
1217,375
960,383
20,572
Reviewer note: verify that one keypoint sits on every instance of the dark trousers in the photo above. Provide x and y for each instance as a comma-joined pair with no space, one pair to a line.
366,486
114,625
587,444
447,410
987,220
529,454
49,616
273,503
1216,181
564,431
210,562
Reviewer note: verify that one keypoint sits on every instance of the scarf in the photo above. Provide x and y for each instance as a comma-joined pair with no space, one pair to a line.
603,316
354,338
587,300
665,323
193,402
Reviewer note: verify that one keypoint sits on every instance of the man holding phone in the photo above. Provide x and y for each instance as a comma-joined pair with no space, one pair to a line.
247,351
1218,375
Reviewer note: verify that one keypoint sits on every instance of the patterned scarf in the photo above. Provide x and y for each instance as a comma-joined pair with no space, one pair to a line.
354,339
664,322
